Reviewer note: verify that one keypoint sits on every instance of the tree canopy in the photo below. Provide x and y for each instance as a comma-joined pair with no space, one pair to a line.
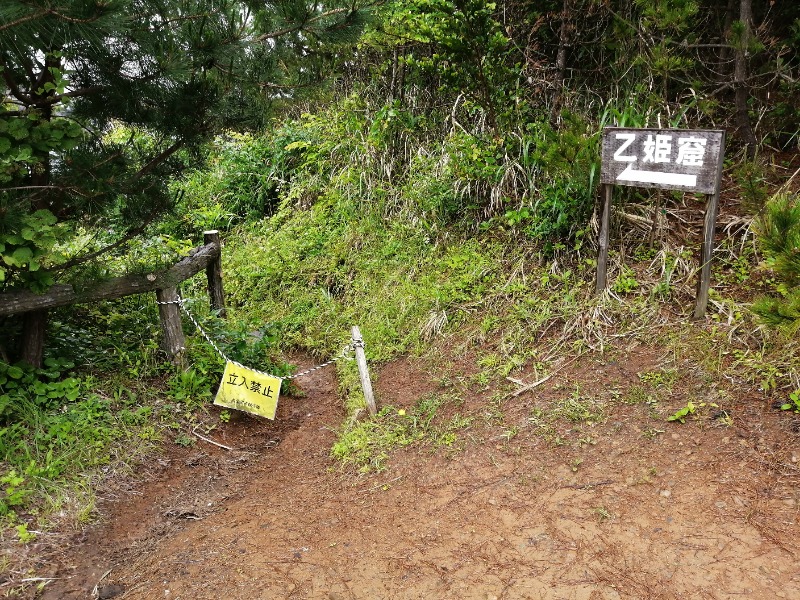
171,73
105,100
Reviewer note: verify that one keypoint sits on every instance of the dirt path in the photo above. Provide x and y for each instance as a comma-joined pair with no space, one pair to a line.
698,511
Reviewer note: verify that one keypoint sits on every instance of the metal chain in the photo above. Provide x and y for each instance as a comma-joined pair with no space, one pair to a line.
345,351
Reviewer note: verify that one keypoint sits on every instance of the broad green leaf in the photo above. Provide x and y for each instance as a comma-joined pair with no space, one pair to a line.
18,129
43,217
22,255
15,372
300,144
24,153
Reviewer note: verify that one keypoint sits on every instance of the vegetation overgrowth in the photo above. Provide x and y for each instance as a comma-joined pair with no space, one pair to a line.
441,195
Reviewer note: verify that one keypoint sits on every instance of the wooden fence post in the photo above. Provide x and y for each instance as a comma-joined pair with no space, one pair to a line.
216,293
34,329
363,373
174,342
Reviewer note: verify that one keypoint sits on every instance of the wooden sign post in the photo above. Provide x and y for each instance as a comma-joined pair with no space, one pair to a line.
668,159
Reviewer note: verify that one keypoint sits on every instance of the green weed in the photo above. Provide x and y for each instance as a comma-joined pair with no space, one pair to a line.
368,444
638,394
691,409
602,514
662,378
794,402
626,282
543,426
184,440
190,389
578,408
652,433
682,413
14,491
54,430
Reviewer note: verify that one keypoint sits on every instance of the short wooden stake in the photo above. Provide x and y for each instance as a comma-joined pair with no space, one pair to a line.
602,254
216,293
363,373
174,342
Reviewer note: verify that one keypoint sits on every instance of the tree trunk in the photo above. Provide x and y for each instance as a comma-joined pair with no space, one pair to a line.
725,51
742,90
561,62
33,332
35,325
395,73
216,292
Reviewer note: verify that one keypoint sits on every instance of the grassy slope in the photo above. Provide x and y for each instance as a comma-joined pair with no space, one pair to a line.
488,297
357,240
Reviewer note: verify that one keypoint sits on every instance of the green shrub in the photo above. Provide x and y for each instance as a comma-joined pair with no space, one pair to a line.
52,427
778,232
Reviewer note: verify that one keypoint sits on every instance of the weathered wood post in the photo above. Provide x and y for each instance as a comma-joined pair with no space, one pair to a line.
707,246
174,342
216,293
706,250
602,255
34,329
363,373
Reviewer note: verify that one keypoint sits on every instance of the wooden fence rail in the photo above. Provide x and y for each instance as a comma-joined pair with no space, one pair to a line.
163,282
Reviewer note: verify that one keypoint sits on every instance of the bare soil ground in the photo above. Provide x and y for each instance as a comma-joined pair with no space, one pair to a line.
631,507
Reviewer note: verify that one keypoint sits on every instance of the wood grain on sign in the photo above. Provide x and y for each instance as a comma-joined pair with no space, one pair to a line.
688,160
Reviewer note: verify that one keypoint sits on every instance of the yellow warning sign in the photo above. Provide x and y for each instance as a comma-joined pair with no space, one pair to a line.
248,390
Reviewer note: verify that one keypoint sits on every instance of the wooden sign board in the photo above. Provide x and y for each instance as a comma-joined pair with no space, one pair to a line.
688,160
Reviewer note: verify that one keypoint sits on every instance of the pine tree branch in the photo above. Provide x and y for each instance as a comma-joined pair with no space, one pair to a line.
157,160
306,23
88,91
64,17
24,19
132,233
278,86
13,87
60,188
44,13
638,31
92,255
182,19
25,61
